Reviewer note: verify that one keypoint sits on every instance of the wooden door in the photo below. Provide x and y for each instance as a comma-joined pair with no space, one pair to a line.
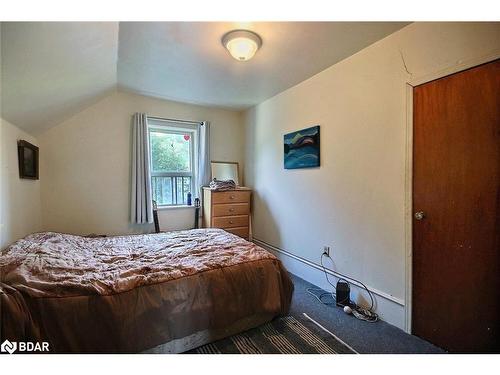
456,198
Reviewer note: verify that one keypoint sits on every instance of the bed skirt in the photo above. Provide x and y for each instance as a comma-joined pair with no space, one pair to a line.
172,316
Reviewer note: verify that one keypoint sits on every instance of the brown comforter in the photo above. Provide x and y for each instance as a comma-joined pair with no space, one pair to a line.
130,293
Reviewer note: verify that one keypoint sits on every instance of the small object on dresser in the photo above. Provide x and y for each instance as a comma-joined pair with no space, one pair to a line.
189,203
221,185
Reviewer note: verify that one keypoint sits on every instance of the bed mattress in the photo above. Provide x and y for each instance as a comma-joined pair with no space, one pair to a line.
132,293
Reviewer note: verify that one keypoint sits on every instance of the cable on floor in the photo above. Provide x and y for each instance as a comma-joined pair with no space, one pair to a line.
361,313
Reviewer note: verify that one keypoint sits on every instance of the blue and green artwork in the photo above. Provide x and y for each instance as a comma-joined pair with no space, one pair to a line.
302,148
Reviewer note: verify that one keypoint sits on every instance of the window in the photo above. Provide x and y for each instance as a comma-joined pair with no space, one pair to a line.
172,148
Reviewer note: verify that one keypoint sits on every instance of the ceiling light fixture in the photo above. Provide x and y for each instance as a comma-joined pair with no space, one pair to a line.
242,44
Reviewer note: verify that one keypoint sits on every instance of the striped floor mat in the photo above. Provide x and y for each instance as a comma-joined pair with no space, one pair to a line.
285,335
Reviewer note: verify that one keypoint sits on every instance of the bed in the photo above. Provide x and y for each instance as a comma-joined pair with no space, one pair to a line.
167,292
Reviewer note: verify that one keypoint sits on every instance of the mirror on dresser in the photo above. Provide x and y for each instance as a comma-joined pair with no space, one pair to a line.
225,170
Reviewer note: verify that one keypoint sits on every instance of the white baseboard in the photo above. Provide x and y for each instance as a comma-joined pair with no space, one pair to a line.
389,308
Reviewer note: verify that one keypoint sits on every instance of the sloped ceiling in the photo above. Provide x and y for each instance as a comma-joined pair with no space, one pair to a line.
50,71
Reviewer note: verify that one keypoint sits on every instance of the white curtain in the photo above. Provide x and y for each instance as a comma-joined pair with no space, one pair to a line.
204,156
141,207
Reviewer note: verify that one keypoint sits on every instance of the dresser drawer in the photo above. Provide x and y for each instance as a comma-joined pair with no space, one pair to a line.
241,231
230,197
230,221
228,209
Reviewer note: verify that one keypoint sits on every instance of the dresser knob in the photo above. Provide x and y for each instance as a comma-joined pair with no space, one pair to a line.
231,197
230,221
231,210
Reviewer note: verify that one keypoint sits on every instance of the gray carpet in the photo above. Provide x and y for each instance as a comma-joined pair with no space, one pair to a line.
379,337
363,337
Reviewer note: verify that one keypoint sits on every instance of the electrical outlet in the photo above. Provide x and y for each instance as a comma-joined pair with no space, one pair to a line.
326,250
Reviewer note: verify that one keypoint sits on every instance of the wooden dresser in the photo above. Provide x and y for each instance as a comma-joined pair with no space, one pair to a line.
229,210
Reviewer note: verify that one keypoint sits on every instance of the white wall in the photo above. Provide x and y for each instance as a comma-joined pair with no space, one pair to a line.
85,162
355,202
20,198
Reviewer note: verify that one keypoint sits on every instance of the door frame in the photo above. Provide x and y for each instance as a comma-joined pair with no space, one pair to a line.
408,209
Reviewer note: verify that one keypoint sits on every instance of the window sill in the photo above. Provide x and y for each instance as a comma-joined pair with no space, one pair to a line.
179,207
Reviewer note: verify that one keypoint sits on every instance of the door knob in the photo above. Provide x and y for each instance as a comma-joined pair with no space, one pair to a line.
419,215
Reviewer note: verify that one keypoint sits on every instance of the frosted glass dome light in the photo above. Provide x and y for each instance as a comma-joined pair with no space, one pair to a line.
241,44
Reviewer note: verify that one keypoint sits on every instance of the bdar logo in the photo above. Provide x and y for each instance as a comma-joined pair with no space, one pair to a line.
8,346
24,346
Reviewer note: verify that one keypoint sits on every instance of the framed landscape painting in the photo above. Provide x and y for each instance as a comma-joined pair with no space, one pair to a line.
301,148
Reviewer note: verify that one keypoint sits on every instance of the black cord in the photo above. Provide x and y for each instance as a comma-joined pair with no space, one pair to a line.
359,312
320,297
349,278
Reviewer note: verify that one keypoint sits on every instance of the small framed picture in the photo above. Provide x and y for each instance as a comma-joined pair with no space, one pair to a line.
28,160
302,148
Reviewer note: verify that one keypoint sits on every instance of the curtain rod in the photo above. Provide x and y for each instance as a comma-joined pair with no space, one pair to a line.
174,120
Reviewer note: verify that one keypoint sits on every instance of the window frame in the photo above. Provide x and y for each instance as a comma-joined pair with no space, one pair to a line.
172,127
